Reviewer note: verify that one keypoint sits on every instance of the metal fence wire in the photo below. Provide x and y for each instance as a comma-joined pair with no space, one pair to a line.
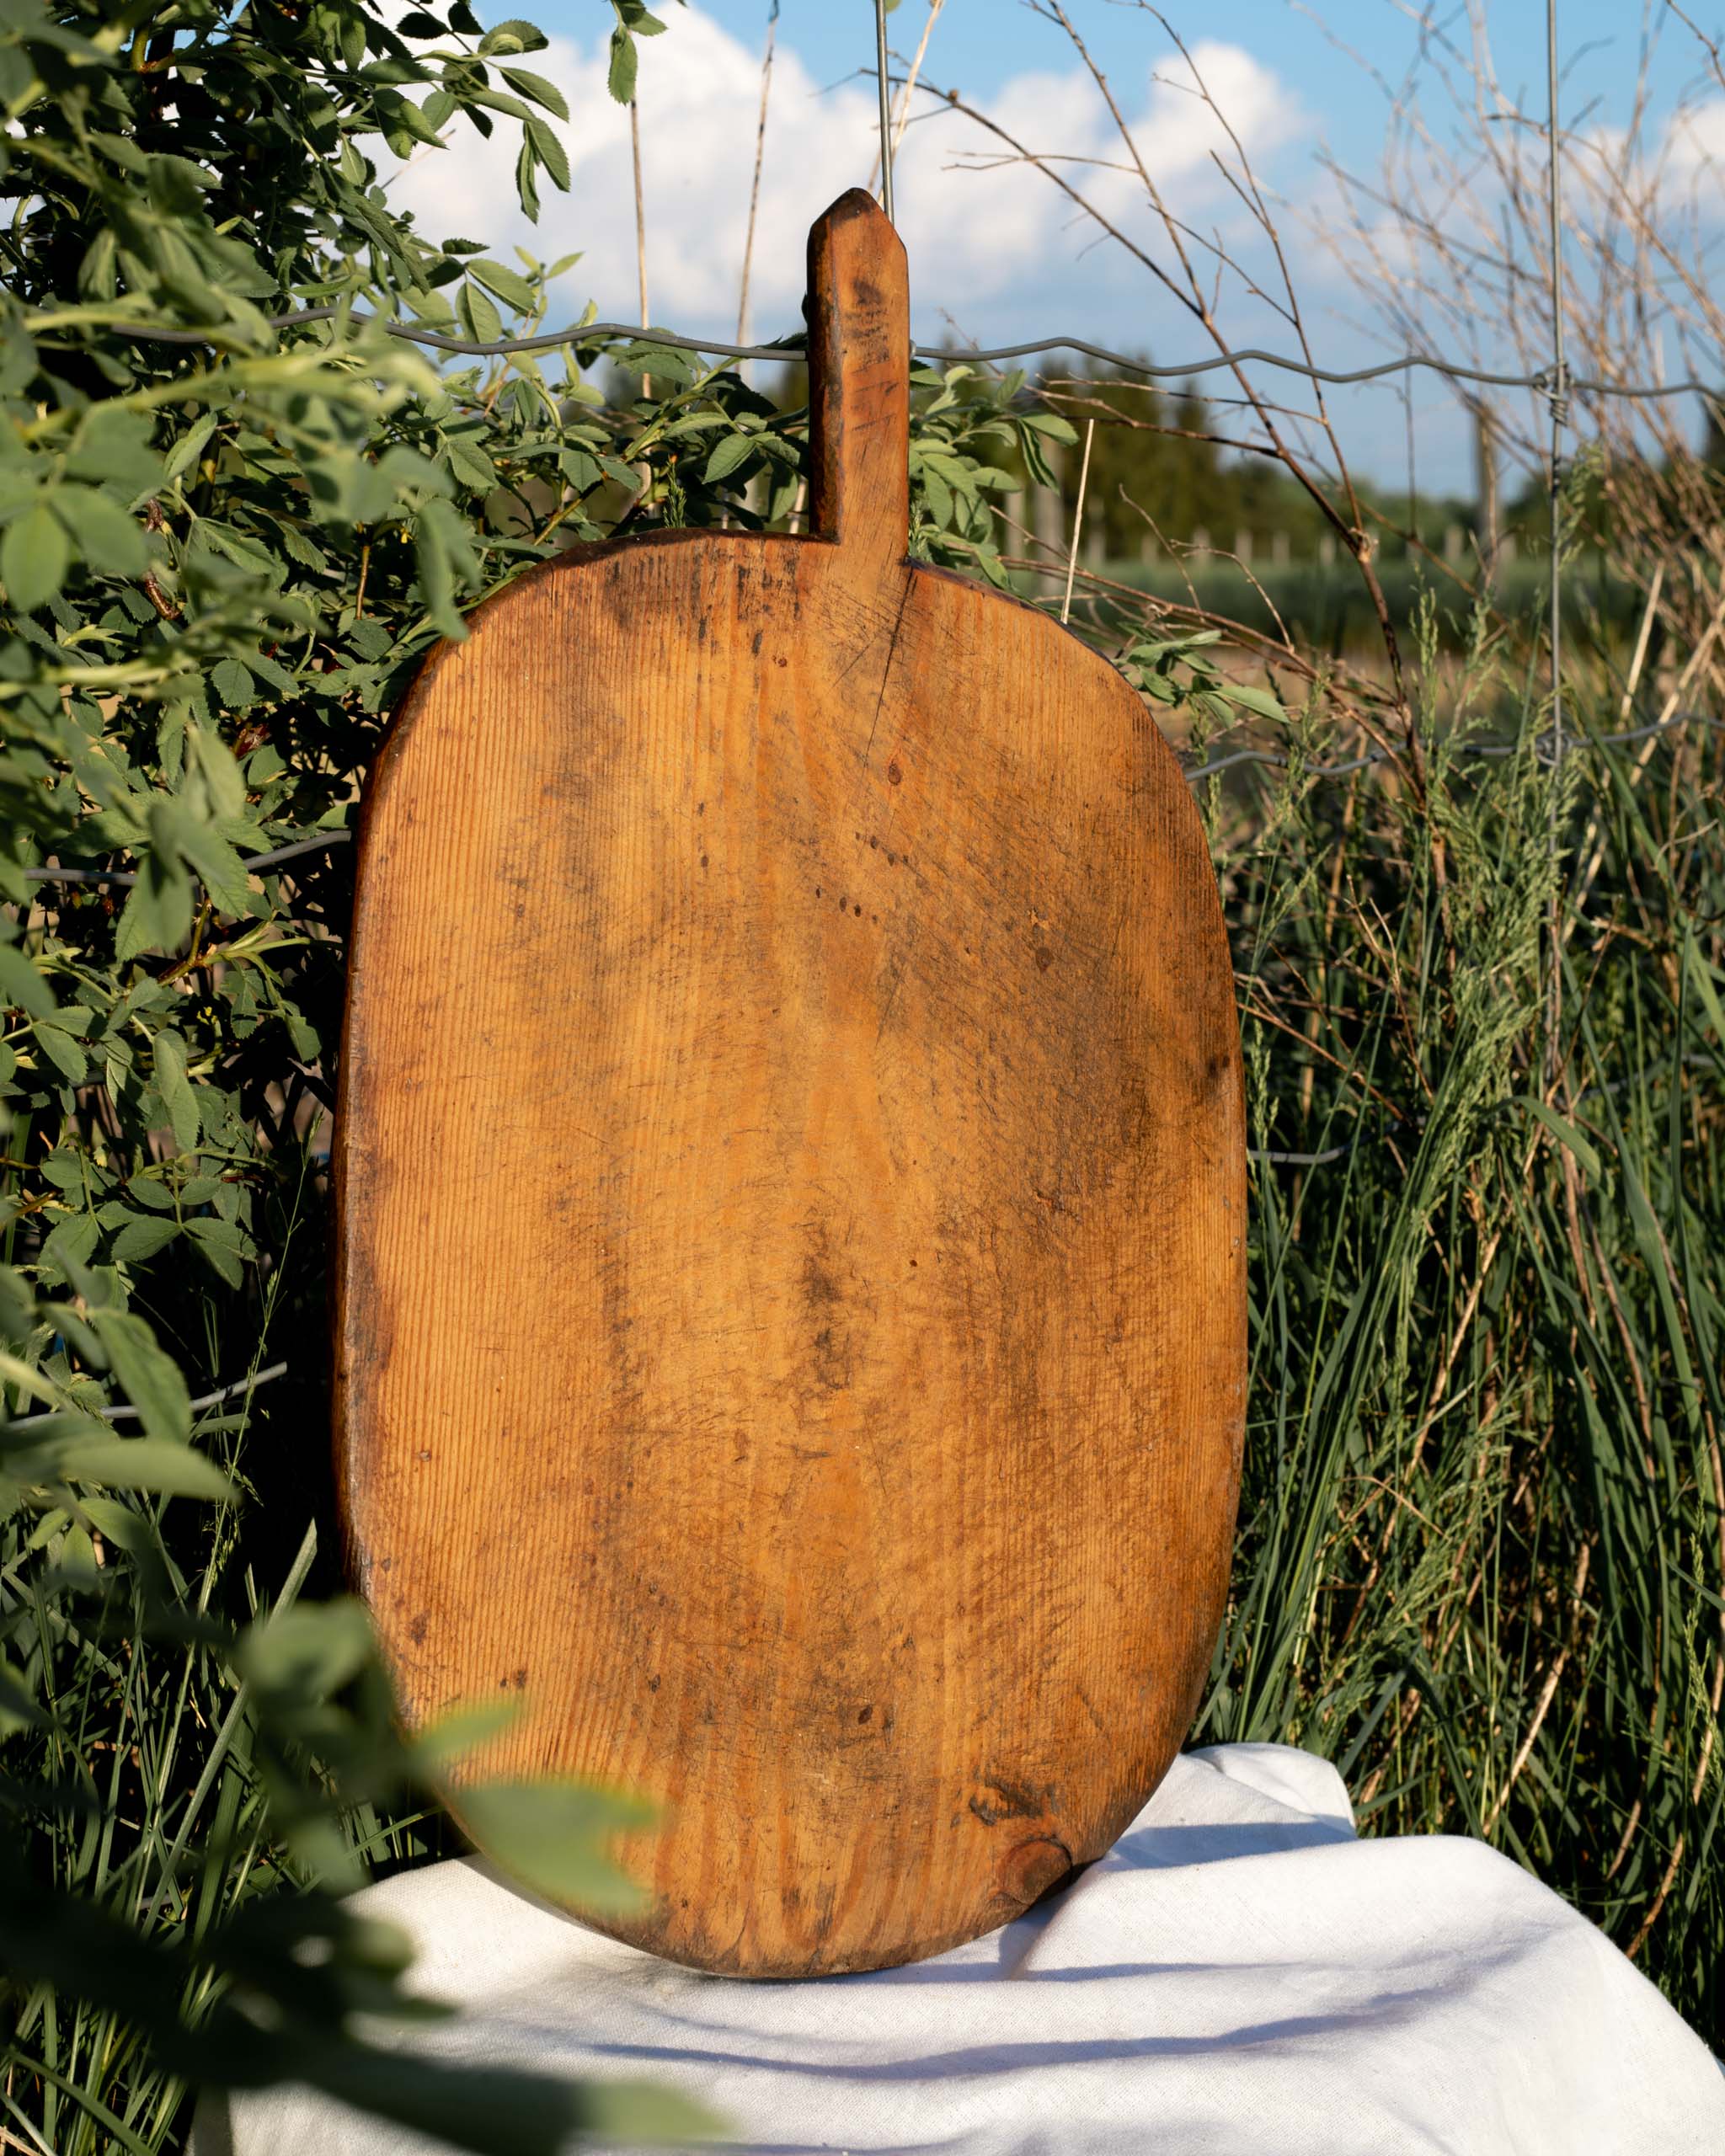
793,348
1554,382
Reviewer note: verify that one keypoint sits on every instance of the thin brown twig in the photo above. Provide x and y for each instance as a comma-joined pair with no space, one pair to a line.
641,228
754,189
1548,1692
901,116
1077,523
1349,528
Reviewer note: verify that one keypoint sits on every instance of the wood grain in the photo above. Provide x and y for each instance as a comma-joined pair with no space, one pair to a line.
791,1324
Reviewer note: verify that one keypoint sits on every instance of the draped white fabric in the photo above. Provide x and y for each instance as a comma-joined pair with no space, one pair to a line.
1241,1974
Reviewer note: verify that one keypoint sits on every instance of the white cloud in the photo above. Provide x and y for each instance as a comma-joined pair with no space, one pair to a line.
993,248
1696,141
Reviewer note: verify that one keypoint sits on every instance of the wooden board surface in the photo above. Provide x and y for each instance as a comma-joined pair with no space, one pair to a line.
791,1326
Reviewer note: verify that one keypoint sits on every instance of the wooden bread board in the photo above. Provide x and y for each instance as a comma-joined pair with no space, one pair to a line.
791,1269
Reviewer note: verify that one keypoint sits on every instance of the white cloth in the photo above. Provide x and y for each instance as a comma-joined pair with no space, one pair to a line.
1241,1974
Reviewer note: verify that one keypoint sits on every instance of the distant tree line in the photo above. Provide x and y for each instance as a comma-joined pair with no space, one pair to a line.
1172,469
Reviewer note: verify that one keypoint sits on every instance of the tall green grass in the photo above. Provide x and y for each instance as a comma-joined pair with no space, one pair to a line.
1325,609
1480,1562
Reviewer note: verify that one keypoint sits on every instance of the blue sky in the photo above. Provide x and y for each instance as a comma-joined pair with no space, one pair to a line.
979,44
996,255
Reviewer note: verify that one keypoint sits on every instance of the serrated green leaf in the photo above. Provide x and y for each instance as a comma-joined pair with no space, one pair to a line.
1260,701
222,1246
512,289
72,1242
727,456
152,1379
113,450
107,539
937,497
232,684
298,548
22,985
186,451
479,316
142,1236
175,1088
403,124
538,89
222,870
620,78
580,468
514,35
551,151
470,465
34,557
242,548
158,914
65,1052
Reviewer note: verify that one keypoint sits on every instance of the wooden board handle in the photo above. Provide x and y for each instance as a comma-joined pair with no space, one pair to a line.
859,379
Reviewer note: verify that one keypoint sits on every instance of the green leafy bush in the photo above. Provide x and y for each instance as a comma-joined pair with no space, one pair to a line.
223,543
235,512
